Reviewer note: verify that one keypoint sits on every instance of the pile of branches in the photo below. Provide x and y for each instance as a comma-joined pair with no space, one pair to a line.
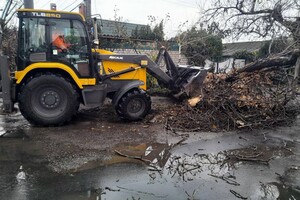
261,98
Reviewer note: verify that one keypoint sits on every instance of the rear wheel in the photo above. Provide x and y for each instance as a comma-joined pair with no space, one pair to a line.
48,99
134,105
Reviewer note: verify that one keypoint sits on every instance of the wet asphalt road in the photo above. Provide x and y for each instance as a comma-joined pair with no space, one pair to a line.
98,156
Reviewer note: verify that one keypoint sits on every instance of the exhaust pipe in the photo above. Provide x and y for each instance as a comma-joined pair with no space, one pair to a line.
28,4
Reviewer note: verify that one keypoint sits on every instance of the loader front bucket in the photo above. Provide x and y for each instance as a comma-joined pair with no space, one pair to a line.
193,82
186,79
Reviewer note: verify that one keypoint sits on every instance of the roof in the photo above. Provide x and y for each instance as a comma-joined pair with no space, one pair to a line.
230,49
118,29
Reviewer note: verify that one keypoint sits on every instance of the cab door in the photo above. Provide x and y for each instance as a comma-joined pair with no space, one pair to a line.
32,42
69,45
36,43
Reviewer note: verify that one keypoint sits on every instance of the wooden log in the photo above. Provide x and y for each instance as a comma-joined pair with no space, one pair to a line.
289,58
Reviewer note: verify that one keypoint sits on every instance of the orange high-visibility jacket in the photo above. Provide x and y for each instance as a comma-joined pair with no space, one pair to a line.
60,42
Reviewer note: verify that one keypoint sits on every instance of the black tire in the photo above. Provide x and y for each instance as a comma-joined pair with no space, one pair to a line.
48,99
134,105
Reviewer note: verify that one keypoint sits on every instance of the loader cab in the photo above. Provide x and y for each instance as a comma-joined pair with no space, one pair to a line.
51,36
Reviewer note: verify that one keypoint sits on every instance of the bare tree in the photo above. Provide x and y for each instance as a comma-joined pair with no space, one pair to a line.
263,18
271,19
8,12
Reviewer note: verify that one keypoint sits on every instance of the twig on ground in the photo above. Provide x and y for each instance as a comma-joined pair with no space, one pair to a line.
237,194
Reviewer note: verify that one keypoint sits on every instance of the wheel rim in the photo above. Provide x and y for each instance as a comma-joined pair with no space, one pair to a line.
49,101
136,106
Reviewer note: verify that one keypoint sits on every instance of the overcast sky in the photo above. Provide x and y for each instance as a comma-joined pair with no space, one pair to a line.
137,11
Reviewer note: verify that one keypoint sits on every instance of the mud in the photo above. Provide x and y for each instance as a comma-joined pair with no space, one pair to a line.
98,156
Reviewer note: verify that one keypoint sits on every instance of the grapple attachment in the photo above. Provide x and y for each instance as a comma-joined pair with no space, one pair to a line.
182,79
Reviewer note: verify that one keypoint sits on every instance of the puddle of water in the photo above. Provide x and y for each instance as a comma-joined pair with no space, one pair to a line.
155,154
247,172
16,133
218,167
198,176
13,126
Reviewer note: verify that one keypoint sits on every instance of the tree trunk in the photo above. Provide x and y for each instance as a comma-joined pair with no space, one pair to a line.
281,60
297,68
1,38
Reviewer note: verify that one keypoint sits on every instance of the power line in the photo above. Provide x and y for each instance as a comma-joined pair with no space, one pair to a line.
46,3
61,4
70,5
75,8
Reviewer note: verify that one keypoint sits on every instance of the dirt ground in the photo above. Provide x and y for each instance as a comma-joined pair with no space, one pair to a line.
90,136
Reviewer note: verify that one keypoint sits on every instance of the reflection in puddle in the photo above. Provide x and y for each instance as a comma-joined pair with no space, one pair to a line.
21,175
220,164
20,190
220,167
266,191
2,131
155,154
13,126
197,176
275,191
259,154
15,133
188,167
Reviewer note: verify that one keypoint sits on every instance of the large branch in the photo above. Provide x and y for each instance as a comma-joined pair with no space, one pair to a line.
241,12
276,61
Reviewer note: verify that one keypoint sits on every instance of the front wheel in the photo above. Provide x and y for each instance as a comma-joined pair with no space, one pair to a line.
134,105
48,99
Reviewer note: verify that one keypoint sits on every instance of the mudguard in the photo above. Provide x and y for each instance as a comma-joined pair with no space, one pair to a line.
124,89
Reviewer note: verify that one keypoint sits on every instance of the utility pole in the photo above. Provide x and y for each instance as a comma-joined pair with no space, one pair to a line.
85,8
28,4
1,36
88,5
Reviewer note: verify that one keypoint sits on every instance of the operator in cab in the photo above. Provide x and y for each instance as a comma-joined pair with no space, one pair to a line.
59,40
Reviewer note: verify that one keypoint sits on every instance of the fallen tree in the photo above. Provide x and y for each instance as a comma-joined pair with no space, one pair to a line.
261,95
279,60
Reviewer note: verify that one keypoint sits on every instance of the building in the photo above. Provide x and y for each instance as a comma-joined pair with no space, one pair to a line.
229,49
228,62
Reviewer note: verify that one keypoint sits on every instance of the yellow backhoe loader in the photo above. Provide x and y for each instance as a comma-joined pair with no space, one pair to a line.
57,70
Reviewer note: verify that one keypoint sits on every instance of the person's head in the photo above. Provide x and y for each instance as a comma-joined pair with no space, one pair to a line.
58,30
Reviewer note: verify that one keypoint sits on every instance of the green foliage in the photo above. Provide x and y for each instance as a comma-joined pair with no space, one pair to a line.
277,46
154,89
148,33
158,31
151,81
244,54
115,43
199,45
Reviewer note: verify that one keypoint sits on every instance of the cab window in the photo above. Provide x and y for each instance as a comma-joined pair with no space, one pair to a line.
32,40
68,42
54,40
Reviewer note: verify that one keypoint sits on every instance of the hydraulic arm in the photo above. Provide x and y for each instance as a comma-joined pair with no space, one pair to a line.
176,77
